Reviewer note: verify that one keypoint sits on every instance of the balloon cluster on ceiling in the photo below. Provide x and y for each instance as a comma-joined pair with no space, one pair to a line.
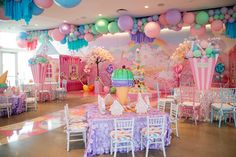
19,9
79,36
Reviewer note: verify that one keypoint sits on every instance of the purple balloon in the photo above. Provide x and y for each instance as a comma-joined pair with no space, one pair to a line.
230,11
125,23
64,28
231,20
224,10
173,16
211,12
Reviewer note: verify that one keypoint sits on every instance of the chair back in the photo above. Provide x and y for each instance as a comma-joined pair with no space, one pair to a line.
156,121
66,112
176,93
4,99
174,109
64,84
124,125
161,106
228,95
187,93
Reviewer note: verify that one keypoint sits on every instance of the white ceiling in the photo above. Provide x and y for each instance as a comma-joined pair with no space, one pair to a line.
87,11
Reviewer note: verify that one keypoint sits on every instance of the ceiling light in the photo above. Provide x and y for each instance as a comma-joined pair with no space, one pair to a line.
36,24
146,6
99,14
121,11
64,21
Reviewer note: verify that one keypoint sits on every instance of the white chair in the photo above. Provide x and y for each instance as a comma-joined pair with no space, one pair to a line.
161,106
5,105
61,92
154,133
174,117
31,100
122,136
74,131
223,108
74,119
167,99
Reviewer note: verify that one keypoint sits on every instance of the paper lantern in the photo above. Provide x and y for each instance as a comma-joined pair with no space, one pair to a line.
125,23
152,29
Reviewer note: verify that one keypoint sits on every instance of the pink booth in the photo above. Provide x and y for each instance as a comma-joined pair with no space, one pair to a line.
71,69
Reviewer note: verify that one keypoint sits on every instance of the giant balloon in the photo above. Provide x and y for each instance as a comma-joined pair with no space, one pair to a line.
64,28
188,18
173,16
152,29
113,27
67,3
202,18
102,26
57,35
44,3
125,22
36,10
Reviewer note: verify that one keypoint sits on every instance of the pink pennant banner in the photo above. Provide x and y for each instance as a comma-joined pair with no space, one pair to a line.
39,72
203,70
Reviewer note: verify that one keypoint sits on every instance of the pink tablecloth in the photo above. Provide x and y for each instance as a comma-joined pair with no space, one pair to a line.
74,86
100,127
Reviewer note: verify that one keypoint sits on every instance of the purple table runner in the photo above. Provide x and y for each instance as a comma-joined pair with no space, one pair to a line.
100,126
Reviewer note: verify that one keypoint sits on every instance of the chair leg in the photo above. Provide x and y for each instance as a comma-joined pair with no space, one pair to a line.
26,107
163,147
84,138
111,149
220,117
147,148
212,115
141,142
132,145
68,142
115,150
234,117
176,128
8,112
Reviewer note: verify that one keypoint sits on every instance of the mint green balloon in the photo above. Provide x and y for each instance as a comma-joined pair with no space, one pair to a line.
222,16
197,26
202,18
197,53
94,31
234,15
216,17
113,27
102,26
209,51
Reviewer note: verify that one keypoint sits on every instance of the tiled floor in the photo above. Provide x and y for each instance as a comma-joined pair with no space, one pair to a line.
195,141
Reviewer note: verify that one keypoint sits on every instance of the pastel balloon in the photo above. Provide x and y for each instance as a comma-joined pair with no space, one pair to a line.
216,25
85,88
202,17
152,29
224,10
125,22
88,37
57,35
113,27
211,12
106,89
198,32
189,18
22,43
64,28
94,31
43,3
67,3
162,19
173,16
197,53
36,10
102,26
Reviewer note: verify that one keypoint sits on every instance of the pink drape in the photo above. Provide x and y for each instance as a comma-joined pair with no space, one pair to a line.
203,70
39,72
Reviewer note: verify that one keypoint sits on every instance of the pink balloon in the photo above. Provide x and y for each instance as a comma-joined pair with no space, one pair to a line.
106,89
198,32
50,32
162,19
152,29
173,16
140,22
204,44
227,16
64,28
44,3
125,22
2,15
211,19
22,43
189,18
57,35
88,37
216,25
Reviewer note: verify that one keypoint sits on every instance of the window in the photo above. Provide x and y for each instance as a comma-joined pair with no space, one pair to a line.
49,71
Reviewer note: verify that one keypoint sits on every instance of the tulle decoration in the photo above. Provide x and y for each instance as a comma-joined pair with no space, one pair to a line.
230,29
17,10
77,44
140,37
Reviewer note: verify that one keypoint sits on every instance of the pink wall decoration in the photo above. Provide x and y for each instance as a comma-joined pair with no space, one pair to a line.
39,72
203,70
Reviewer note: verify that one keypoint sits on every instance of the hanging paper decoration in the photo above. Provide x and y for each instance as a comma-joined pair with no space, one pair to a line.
77,44
230,29
140,37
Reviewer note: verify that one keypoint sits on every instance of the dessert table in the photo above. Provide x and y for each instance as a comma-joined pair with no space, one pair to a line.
100,126
18,104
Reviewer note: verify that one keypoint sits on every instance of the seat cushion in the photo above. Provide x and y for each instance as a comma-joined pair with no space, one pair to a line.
225,106
78,127
30,100
122,135
154,132
189,103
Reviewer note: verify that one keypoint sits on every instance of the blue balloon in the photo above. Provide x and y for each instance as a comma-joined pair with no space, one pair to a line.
155,17
63,41
220,68
23,35
36,10
81,29
67,3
